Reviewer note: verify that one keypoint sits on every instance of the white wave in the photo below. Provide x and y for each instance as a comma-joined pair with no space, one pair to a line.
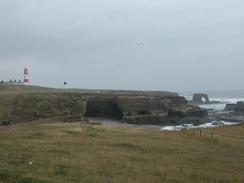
190,126
172,128
215,107
227,100
223,101
230,123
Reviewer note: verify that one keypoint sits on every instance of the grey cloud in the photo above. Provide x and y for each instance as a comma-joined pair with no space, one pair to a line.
124,44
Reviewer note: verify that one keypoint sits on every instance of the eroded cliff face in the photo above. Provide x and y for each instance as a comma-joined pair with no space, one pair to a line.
27,107
158,110
137,109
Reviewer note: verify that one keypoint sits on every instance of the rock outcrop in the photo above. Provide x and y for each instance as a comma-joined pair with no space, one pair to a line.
238,107
200,98
28,107
131,108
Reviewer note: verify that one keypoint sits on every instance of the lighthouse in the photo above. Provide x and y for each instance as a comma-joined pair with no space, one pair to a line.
26,76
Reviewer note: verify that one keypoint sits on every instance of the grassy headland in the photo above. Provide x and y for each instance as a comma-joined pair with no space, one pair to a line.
53,152
49,151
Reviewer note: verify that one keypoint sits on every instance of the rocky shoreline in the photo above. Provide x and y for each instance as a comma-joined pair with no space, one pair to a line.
230,113
142,108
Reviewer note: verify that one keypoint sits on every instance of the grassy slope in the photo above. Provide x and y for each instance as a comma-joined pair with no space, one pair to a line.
29,88
16,89
63,152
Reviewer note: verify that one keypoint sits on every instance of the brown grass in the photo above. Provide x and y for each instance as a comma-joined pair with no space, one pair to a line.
71,152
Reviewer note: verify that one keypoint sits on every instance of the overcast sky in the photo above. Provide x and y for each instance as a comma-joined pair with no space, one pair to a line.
173,45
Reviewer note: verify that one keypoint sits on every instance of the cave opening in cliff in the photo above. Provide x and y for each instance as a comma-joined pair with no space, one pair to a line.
103,108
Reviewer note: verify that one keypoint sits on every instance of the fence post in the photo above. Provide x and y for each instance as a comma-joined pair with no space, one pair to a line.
211,135
200,133
193,132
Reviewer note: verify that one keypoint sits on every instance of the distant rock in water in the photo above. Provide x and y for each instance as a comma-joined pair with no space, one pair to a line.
200,98
238,107
230,107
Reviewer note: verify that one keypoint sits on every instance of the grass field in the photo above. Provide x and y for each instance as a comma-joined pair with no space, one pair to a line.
52,152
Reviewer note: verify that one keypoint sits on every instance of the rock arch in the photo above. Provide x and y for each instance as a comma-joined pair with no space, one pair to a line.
200,98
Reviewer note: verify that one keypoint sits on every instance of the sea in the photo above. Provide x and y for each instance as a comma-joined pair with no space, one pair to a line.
223,97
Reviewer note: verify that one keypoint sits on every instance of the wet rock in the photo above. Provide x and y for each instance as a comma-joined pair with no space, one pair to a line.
238,107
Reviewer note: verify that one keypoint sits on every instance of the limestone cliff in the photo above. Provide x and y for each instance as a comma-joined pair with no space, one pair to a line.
137,109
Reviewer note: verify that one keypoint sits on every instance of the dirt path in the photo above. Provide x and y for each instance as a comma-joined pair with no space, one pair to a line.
8,129
120,124
107,122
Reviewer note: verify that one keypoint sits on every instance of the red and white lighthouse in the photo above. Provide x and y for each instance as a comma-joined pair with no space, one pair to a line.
26,76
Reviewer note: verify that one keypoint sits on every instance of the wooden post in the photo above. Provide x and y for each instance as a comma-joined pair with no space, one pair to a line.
193,132
200,133
211,135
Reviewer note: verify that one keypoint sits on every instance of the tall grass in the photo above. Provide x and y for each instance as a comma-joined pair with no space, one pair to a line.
66,153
